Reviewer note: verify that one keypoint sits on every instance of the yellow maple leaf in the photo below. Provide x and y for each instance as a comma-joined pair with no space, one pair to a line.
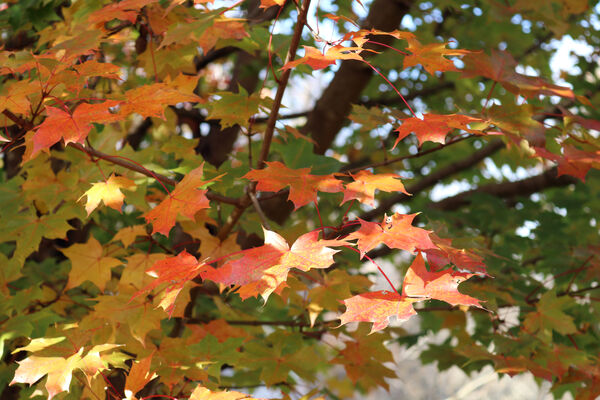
109,192
89,264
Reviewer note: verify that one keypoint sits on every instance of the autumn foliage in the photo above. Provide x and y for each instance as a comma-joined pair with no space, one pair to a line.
169,229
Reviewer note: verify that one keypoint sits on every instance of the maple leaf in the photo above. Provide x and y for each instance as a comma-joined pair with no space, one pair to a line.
378,308
573,162
28,229
549,316
95,68
185,199
136,265
218,328
210,245
128,317
59,369
139,375
236,108
89,264
303,186
444,254
15,97
176,272
434,127
396,232
363,358
128,234
319,60
150,100
442,285
126,10
74,127
431,56
271,3
262,269
365,183
109,192
222,29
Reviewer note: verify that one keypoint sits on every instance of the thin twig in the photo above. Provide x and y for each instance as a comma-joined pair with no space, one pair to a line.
259,211
245,201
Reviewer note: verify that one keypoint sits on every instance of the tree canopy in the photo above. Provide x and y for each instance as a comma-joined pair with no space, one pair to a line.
202,198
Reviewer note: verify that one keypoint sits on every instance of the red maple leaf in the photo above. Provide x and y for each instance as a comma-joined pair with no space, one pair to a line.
378,308
365,183
573,162
185,199
445,254
175,272
396,232
442,285
434,127
303,185
71,127
260,270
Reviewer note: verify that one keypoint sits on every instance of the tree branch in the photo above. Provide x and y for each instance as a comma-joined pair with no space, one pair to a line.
434,178
268,136
330,111
520,188
144,171
27,126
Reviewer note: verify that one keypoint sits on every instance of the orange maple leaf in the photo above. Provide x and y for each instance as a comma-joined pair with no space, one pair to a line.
109,192
434,127
271,3
74,127
175,272
222,29
378,308
303,185
442,285
126,10
139,375
95,68
150,100
396,232
259,271
431,56
319,60
365,183
185,199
